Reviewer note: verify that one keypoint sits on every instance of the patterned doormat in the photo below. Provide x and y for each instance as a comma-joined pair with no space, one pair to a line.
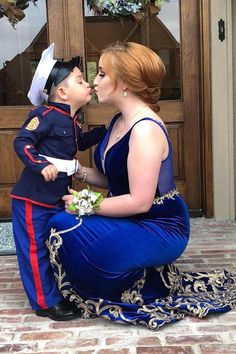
7,244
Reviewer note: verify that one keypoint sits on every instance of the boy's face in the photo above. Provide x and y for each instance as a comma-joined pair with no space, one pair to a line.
78,91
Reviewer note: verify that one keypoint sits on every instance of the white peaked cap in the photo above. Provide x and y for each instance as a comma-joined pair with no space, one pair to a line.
36,94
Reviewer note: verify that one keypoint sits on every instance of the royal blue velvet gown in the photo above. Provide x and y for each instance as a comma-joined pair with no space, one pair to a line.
121,268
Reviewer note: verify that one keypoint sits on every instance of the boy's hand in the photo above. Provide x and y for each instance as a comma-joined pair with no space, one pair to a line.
50,173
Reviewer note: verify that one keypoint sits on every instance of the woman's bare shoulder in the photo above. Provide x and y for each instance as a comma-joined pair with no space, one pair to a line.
146,124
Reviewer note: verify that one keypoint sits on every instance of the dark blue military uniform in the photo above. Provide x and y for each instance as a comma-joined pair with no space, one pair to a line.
51,131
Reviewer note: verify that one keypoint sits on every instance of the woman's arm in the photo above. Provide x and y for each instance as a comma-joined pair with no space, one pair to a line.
148,147
92,176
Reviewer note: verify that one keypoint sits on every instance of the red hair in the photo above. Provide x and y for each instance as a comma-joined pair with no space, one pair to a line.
139,67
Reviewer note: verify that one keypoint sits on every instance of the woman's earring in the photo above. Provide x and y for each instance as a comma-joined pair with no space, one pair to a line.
125,93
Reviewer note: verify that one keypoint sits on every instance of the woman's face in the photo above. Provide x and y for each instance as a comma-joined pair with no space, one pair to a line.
104,87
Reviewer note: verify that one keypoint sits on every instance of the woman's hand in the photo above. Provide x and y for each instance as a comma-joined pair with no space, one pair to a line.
68,199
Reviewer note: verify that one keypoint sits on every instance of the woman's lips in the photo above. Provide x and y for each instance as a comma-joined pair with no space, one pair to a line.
93,90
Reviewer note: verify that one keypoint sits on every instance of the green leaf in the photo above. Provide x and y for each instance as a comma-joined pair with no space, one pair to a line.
158,3
98,201
72,207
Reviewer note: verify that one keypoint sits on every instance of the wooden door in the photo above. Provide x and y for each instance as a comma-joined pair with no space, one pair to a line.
181,105
75,34
63,22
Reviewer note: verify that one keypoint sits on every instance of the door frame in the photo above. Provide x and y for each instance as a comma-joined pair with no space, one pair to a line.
66,23
205,108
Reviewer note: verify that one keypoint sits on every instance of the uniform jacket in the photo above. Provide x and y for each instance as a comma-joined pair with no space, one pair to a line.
49,130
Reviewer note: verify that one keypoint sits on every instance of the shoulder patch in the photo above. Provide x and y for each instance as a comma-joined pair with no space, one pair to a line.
33,124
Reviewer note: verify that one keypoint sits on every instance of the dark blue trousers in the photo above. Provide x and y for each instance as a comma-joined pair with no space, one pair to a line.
29,221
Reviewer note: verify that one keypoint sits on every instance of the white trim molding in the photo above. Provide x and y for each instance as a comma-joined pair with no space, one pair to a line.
222,112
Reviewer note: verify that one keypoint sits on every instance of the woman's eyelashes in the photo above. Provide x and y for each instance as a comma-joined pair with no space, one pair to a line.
101,74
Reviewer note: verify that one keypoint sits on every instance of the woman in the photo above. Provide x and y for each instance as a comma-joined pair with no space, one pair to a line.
117,262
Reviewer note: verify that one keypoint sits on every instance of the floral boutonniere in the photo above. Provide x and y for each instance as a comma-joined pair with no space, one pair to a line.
85,202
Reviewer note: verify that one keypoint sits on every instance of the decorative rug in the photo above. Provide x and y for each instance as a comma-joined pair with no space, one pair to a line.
7,244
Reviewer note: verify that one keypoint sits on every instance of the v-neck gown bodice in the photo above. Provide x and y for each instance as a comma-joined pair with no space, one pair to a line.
121,268
114,163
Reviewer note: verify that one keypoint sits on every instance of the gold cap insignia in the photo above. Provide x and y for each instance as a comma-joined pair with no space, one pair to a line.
33,124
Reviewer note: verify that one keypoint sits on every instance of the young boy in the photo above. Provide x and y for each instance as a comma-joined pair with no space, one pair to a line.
47,144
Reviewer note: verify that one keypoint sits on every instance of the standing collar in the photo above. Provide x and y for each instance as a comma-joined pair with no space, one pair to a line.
62,106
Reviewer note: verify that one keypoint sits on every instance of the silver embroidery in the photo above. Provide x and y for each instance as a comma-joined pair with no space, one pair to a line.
169,195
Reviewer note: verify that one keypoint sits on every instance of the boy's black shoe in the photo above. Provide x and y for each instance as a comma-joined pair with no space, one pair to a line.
63,311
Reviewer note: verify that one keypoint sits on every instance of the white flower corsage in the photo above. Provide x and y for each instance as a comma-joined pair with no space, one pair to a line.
85,202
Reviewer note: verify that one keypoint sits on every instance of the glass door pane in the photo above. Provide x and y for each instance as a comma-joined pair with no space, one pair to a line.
20,51
165,40
161,32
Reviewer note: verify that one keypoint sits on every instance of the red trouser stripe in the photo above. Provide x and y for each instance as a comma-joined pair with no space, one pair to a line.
33,256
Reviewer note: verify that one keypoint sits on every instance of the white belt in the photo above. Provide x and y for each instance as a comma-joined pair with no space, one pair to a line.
68,166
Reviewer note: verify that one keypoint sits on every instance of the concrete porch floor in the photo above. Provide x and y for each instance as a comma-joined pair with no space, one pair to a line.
212,245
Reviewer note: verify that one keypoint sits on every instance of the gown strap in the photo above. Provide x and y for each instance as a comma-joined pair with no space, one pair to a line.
162,125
